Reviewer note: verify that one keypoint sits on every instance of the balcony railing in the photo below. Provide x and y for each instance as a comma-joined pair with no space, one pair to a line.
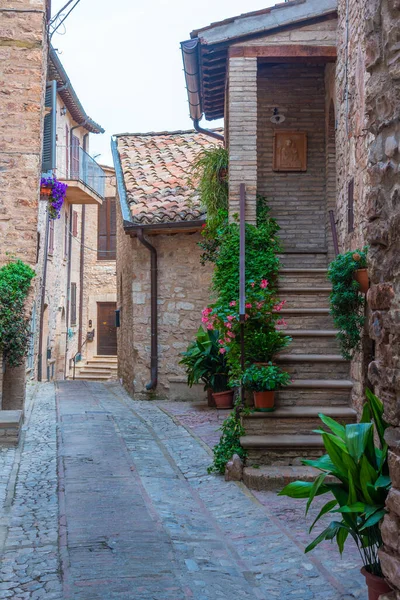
74,164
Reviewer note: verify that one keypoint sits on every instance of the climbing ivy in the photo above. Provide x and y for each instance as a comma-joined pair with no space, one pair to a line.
229,444
15,281
346,301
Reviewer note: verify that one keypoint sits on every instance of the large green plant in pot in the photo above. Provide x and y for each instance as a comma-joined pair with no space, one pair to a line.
205,363
359,494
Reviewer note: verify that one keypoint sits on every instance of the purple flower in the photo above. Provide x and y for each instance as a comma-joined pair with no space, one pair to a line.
57,195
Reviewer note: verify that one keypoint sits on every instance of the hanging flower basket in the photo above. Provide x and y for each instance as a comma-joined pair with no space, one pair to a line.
54,192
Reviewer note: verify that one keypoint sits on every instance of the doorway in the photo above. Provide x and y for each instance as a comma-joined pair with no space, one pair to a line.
106,330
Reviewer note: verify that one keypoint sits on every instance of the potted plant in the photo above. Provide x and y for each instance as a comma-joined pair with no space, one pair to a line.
54,192
359,491
361,272
263,381
204,362
346,301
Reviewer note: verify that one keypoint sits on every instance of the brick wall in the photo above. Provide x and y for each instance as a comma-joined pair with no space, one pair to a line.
183,291
242,134
23,58
382,212
297,200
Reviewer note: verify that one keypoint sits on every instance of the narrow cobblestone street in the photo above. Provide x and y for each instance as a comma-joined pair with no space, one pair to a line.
108,498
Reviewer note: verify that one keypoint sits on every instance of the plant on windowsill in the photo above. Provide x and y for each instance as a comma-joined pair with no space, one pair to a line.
55,193
264,381
204,362
346,300
359,494
15,281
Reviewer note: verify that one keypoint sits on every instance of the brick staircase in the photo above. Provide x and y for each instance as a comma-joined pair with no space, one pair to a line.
98,368
321,382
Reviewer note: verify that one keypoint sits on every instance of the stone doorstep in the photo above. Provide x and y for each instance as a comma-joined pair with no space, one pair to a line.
275,478
10,426
290,412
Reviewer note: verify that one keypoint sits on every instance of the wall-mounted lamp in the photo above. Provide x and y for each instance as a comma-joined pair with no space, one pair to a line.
63,111
276,117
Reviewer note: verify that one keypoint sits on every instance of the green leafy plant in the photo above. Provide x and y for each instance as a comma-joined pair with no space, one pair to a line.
210,181
15,281
265,378
204,362
346,302
363,482
229,444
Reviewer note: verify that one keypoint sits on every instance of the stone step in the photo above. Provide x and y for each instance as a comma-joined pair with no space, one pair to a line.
96,377
93,371
303,277
101,365
312,259
104,358
297,420
306,298
319,358
312,342
307,318
10,426
315,392
276,478
310,369
304,290
281,449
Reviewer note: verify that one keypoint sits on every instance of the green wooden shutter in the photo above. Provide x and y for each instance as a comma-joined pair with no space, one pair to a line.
73,303
49,131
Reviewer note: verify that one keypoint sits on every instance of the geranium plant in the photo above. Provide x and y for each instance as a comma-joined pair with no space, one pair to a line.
58,191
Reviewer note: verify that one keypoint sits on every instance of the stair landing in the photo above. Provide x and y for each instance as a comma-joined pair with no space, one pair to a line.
98,368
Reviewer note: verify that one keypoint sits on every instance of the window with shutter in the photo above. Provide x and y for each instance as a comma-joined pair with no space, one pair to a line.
49,129
107,230
75,167
74,223
73,303
51,236
67,151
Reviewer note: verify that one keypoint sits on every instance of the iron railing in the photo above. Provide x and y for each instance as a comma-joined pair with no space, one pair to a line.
73,163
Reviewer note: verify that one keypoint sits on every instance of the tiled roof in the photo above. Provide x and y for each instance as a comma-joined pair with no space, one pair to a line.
156,168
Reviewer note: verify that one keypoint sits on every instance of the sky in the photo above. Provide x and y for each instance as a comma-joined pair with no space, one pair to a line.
124,60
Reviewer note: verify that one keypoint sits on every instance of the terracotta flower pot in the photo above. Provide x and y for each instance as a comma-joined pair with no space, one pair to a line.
45,193
376,585
223,399
361,276
264,401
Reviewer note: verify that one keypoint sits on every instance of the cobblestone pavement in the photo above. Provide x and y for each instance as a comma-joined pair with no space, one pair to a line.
134,515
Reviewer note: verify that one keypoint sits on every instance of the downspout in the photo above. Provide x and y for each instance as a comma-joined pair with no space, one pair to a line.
68,288
82,261
43,297
213,134
154,326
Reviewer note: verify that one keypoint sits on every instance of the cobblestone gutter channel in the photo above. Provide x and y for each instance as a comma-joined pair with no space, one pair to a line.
139,517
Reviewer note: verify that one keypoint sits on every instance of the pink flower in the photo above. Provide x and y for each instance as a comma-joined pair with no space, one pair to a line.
264,283
221,342
246,317
222,350
204,319
233,303
279,306
230,334
248,305
228,325
231,317
210,326
260,305
281,322
252,284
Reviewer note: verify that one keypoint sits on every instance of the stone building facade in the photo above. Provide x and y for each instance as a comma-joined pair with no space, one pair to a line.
23,56
156,202
57,317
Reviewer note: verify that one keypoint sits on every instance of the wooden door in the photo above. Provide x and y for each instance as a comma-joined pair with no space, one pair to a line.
106,330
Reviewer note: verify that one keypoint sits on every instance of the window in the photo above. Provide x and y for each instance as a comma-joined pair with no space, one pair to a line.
51,236
73,303
49,128
350,207
107,230
74,223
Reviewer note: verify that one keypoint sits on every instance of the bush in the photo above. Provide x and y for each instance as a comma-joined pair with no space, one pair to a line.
229,444
265,378
346,302
15,281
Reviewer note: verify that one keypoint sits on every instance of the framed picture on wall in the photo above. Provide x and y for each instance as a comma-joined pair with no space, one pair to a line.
290,151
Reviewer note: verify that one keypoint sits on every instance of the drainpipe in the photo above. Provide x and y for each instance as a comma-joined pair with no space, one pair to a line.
68,288
213,134
82,261
154,327
43,297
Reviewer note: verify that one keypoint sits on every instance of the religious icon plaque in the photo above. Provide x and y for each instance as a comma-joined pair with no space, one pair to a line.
290,151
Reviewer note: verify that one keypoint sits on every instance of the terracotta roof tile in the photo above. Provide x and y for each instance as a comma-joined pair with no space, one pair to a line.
156,167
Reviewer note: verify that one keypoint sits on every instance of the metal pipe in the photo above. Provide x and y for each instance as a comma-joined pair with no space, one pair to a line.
213,134
154,316
43,296
334,232
68,287
81,273
242,279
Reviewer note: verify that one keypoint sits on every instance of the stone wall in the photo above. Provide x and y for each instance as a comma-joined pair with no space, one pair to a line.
23,58
382,212
297,200
183,291
100,278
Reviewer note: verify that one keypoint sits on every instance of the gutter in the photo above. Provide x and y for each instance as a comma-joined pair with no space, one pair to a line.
190,56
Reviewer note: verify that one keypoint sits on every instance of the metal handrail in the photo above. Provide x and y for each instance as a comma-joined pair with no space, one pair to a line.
334,232
73,163
79,352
